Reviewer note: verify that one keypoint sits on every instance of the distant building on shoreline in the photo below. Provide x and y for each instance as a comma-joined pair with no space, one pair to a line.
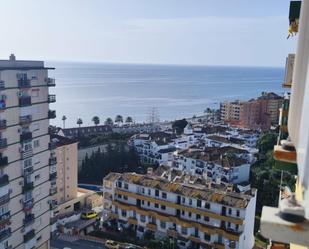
258,113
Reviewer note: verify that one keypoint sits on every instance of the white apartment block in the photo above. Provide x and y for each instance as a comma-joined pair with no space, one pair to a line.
215,164
192,211
25,155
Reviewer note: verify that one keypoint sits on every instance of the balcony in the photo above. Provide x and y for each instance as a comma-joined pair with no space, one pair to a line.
4,218
52,145
25,136
4,180
132,221
5,199
53,190
28,186
52,160
2,85
28,171
26,153
52,175
25,120
3,161
28,204
30,235
3,143
50,82
29,219
51,98
151,226
2,103
2,124
52,204
172,233
51,114
4,234
24,101
24,83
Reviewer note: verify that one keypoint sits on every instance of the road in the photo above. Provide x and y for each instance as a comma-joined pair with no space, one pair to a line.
78,244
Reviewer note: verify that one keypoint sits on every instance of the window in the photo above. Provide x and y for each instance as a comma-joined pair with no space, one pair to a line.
237,213
198,216
143,191
206,218
119,184
190,201
164,195
190,214
124,213
126,186
207,205
142,218
237,227
156,192
230,211
183,200
163,207
143,202
125,197
27,163
37,177
184,230
148,203
149,191
182,212
229,224
199,203
206,236
163,224
119,196
156,205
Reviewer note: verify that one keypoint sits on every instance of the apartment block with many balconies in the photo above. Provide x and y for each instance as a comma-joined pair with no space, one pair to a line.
194,212
24,154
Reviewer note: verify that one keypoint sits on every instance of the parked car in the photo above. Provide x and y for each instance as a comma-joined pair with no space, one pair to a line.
111,244
89,215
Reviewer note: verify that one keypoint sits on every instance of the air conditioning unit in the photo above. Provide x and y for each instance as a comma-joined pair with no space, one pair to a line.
20,94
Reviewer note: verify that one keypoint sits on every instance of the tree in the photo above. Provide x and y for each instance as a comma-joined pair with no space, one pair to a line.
96,120
79,122
119,119
179,125
109,122
129,120
267,142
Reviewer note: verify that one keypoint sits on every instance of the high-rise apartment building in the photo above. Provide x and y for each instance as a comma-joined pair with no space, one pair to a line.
25,155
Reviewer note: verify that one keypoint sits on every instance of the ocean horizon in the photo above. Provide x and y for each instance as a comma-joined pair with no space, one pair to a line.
84,90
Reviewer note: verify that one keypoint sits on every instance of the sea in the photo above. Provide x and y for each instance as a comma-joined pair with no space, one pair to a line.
84,90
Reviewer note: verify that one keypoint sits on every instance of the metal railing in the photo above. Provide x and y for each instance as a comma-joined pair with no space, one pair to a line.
51,98
24,101
23,120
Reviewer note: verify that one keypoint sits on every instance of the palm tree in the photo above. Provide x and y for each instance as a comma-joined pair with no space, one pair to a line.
119,119
79,122
129,120
109,122
64,118
96,120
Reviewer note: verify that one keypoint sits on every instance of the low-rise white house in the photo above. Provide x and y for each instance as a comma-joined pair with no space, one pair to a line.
191,210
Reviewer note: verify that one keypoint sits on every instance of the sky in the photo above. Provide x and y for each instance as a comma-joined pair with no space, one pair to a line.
193,32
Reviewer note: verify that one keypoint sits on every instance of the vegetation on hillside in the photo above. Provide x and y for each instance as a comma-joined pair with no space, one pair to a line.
179,125
96,139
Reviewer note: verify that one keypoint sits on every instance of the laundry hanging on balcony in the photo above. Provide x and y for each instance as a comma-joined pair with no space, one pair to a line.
294,18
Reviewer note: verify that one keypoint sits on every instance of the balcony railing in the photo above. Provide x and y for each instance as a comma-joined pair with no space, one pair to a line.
28,204
2,124
5,217
2,103
4,234
29,219
25,120
52,204
30,235
28,171
51,114
25,136
2,85
26,153
24,101
52,161
3,143
52,145
24,83
50,81
28,186
4,180
51,98
5,199
3,161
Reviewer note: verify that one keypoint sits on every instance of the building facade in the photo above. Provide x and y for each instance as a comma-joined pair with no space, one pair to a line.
25,155
184,208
